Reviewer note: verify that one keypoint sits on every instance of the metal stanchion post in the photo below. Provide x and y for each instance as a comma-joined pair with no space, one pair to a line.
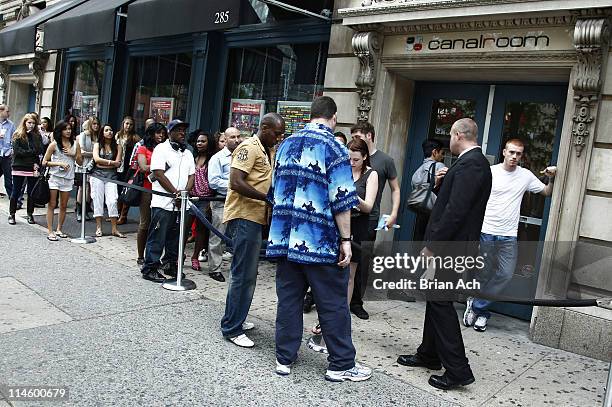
608,399
180,284
83,239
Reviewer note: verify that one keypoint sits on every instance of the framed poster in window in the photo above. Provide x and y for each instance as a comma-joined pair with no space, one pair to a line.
161,109
296,115
246,114
90,106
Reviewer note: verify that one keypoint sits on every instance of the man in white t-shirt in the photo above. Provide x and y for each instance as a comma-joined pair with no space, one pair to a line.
173,169
498,238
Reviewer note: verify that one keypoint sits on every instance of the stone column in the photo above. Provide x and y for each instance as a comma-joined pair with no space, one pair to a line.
37,69
4,80
366,46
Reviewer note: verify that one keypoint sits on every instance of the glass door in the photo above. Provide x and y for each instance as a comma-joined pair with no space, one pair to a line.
532,114
436,107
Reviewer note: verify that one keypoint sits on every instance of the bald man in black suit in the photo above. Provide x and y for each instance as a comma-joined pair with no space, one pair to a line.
453,229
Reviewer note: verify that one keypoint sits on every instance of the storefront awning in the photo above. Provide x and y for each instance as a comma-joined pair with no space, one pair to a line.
90,23
161,18
20,38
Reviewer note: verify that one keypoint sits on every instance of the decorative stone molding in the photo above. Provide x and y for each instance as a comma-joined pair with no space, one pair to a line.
4,73
37,69
366,46
539,22
372,7
591,38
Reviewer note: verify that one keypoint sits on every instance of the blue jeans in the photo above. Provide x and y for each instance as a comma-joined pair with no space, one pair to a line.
246,241
163,238
500,257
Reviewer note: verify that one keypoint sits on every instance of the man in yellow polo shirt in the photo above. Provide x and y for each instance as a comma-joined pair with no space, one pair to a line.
246,212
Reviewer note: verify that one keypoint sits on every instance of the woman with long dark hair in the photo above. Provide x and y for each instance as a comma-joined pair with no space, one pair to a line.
366,183
205,148
107,156
46,130
127,139
61,157
27,148
155,134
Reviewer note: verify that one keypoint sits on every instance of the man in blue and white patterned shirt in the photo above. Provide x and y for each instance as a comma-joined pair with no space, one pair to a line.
313,193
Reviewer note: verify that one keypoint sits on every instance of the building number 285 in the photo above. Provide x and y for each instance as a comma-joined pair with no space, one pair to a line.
222,17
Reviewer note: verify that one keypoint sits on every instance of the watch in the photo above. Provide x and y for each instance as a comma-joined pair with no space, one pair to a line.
346,239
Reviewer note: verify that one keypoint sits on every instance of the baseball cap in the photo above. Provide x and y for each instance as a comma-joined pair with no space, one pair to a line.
176,123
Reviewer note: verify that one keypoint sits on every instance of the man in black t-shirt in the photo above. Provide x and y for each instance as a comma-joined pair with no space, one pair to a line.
385,168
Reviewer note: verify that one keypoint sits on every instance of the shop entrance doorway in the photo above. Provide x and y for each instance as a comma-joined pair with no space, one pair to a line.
532,113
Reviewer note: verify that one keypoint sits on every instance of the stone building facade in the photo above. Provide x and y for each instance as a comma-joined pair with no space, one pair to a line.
534,69
27,81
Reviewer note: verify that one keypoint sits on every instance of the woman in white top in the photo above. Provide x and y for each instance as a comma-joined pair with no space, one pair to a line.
61,156
46,130
89,136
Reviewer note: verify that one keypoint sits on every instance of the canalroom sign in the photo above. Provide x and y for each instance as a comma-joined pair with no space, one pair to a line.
519,40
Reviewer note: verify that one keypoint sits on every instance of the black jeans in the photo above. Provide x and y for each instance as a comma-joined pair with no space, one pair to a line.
7,171
363,267
18,182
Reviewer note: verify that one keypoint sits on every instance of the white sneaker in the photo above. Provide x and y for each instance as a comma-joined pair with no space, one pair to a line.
282,370
358,373
468,315
247,326
227,256
243,341
317,344
481,324
203,256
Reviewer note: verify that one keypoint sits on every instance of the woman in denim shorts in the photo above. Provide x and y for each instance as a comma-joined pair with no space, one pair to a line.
61,156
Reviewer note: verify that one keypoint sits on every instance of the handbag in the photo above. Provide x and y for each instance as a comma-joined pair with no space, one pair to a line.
40,193
131,196
422,198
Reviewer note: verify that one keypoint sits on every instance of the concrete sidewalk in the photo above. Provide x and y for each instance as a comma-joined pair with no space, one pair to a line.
82,316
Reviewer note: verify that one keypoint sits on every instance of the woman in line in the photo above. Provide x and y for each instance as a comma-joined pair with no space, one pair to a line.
61,157
205,148
27,148
366,184
155,134
126,138
46,130
87,139
74,124
107,157
220,138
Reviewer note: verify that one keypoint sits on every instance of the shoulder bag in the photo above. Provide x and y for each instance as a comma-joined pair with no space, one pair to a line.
422,198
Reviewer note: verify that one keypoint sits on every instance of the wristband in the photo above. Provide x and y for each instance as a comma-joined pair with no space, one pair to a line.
346,239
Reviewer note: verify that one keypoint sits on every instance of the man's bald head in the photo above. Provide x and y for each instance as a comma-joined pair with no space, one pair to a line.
464,134
232,138
272,129
468,128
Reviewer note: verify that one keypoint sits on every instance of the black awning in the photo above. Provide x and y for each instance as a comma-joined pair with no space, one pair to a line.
90,23
161,18
20,38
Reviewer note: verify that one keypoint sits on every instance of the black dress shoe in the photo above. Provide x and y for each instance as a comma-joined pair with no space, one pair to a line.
360,312
11,220
217,276
30,219
416,361
445,383
154,276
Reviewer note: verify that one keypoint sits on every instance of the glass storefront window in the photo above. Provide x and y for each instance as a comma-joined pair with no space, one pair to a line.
283,79
85,89
159,88
444,113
